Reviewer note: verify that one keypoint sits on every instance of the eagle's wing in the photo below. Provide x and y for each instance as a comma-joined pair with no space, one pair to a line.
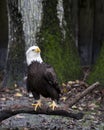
50,77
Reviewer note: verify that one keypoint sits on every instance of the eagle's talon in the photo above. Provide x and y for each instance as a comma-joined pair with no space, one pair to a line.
53,105
37,105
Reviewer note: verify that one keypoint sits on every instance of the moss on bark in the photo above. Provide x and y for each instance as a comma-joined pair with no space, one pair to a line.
97,73
58,50
73,67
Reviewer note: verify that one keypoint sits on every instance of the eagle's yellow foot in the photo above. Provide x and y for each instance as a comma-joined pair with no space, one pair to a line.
37,105
53,105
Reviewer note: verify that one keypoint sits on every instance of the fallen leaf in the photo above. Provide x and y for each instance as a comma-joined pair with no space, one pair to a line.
63,84
92,106
80,108
74,107
77,81
18,95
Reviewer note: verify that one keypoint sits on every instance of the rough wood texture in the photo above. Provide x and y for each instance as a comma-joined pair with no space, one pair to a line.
84,93
8,113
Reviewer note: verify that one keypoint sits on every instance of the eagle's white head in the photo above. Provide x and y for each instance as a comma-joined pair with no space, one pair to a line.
33,54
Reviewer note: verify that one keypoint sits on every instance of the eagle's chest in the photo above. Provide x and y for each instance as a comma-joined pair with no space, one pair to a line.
37,84
36,70
36,75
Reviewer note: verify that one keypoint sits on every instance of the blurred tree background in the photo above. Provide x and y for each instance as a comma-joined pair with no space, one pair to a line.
69,32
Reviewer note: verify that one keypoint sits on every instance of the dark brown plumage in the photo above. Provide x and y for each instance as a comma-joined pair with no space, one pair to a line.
41,80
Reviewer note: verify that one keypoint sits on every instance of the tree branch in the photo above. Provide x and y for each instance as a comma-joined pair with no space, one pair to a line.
4,114
84,93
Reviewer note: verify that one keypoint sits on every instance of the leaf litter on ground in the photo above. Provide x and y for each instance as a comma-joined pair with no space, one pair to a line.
92,105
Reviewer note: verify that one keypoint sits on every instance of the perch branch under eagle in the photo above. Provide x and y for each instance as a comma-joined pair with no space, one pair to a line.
41,78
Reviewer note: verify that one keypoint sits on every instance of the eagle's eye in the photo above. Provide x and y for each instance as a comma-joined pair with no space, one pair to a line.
33,49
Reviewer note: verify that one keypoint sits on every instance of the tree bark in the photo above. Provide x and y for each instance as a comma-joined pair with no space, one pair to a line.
8,113
57,41
31,14
3,34
16,48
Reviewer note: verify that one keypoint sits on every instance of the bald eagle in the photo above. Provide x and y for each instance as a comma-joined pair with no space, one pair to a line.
41,78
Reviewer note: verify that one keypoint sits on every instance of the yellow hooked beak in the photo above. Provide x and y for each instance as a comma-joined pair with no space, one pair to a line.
37,50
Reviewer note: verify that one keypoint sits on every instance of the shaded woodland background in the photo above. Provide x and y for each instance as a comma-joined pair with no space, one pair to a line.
69,32
71,36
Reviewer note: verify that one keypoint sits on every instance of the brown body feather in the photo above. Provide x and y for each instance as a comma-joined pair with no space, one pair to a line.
41,80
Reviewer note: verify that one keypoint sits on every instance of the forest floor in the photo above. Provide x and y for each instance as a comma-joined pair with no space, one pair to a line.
92,105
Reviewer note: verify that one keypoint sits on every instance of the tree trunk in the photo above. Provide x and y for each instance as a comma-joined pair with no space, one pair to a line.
16,46
97,73
31,14
3,36
85,36
57,40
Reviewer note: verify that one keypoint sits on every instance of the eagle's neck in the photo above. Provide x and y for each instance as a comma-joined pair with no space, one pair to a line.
32,59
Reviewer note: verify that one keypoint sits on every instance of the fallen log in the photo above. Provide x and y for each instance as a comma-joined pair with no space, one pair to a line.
84,93
4,114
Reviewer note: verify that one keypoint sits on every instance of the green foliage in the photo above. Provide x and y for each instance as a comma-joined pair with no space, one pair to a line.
97,73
